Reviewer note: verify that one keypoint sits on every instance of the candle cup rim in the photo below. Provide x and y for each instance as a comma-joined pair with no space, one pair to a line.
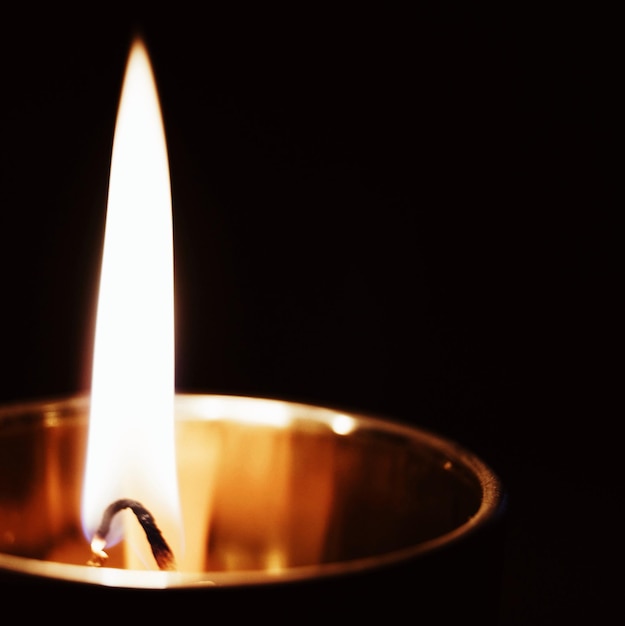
491,508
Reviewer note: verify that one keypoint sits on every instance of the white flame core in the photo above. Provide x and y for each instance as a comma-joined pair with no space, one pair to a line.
131,447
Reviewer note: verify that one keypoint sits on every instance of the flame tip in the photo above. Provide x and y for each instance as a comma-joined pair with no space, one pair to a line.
138,41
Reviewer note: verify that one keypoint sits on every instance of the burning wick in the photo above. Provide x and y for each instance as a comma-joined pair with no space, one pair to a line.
161,551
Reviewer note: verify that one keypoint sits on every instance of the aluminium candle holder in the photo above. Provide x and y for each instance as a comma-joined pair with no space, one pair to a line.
296,511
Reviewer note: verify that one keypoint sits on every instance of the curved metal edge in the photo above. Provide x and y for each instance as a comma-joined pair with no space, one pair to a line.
491,510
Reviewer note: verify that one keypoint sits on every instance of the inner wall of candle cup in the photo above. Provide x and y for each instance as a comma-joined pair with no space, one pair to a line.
266,485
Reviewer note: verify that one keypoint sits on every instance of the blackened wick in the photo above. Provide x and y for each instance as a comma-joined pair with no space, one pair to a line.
160,549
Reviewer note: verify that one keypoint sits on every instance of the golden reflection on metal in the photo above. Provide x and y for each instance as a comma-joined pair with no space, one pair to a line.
343,424
287,497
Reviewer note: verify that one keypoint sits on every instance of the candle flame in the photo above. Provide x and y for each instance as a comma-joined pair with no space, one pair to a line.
131,444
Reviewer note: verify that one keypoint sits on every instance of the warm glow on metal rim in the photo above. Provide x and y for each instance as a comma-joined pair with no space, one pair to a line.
131,450
300,416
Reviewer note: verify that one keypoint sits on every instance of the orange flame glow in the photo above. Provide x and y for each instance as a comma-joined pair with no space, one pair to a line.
131,446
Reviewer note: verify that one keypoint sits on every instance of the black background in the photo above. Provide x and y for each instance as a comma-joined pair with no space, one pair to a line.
406,213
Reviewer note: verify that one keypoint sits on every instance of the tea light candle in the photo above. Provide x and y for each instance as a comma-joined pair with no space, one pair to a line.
280,502
263,501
